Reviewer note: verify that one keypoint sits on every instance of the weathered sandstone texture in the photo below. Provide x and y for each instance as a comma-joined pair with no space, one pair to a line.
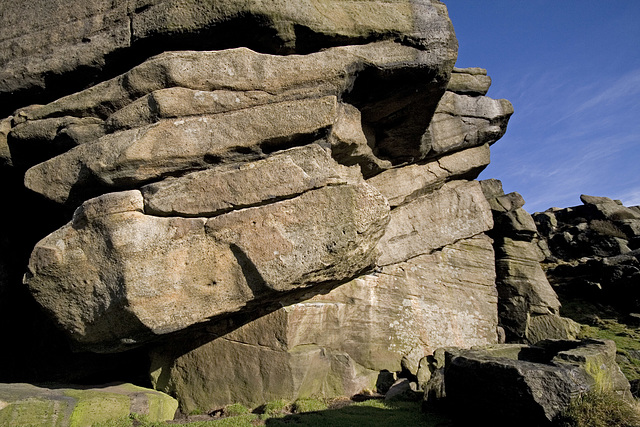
50,48
528,306
265,199
337,343
592,252
154,275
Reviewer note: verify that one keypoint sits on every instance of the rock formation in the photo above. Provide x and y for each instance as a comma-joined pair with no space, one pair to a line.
522,384
527,304
593,251
268,201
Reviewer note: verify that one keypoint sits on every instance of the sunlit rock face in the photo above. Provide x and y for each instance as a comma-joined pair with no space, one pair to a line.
116,276
272,201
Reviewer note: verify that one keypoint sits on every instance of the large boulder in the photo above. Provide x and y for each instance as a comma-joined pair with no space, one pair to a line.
336,343
527,385
127,274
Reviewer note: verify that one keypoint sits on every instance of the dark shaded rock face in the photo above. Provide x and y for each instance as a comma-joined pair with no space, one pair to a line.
265,199
593,251
523,385
527,304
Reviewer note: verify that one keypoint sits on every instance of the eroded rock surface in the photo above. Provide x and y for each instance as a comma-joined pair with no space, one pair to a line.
49,49
275,201
122,275
528,306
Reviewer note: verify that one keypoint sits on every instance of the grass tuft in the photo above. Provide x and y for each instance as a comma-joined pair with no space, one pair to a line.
308,404
276,408
600,409
235,409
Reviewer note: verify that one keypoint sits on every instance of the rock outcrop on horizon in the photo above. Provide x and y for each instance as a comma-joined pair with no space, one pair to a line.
592,252
247,201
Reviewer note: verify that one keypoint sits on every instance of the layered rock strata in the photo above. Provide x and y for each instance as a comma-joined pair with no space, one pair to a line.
337,343
434,286
265,225
117,275
528,306
49,49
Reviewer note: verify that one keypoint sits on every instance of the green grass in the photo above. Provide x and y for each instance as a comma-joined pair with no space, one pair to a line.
235,409
275,408
247,420
625,337
370,413
309,404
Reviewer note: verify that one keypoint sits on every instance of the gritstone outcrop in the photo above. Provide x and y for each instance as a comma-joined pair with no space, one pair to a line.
592,252
270,201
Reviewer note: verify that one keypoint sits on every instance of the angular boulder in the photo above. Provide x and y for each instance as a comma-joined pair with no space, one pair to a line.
528,385
529,307
404,184
463,121
116,276
134,157
469,81
456,211
218,190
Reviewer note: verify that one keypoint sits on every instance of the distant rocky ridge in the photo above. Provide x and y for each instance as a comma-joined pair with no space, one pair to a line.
593,251
270,213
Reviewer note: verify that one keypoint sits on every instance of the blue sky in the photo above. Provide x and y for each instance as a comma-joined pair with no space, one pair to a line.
571,68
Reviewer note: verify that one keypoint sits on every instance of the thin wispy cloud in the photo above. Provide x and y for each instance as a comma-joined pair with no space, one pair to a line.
630,197
626,86
576,126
